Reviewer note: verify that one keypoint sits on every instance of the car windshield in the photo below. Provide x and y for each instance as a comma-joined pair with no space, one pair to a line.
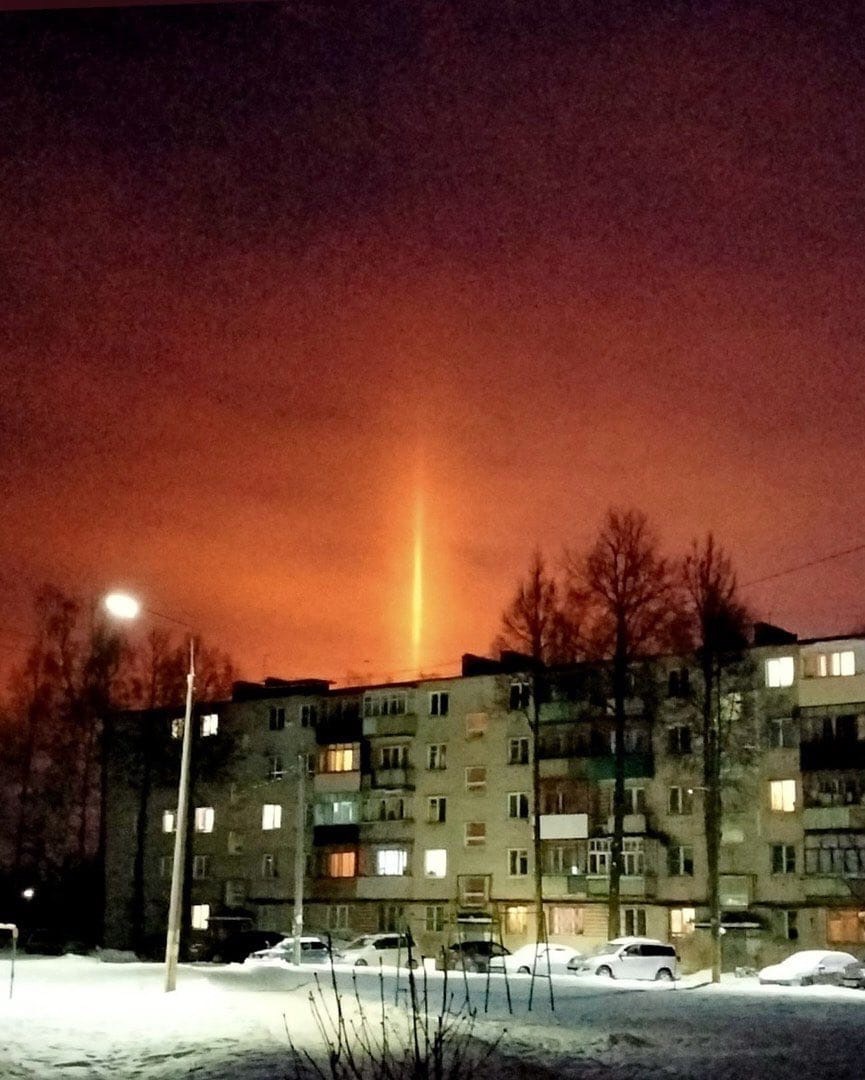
604,950
803,961
361,942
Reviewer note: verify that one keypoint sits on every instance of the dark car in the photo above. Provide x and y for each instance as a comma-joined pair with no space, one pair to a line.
235,948
46,943
474,955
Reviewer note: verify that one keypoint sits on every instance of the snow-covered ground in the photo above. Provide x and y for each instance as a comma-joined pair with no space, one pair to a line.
78,1017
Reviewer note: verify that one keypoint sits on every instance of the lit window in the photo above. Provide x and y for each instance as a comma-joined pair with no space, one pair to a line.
338,758
439,703
437,808
200,916
476,724
633,922
518,805
271,816
476,778
435,918
177,728
268,866
516,920
200,867
235,842
391,862
780,671
277,717
843,663
435,863
340,864
518,752
204,819
565,919
169,821
783,859
782,795
518,862
209,724
682,920
436,756
476,833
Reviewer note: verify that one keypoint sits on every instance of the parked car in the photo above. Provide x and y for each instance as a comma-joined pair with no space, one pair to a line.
854,975
630,958
372,950
46,942
235,948
552,959
474,955
313,950
807,967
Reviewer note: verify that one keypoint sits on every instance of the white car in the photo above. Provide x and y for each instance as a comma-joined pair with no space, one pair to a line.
630,958
373,950
806,968
313,950
545,959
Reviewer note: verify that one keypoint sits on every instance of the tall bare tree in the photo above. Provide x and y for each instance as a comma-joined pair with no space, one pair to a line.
629,592
718,622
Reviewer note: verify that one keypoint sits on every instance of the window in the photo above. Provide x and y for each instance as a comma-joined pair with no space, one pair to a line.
235,842
435,862
680,861
842,663
682,921
268,867
166,866
679,740
840,854
200,916
633,922
177,728
520,695
308,715
476,833
783,859
439,702
679,683
562,860
476,724
276,768
781,733
782,795
169,821
337,917
516,920
335,812
204,819
200,867
633,856
391,862
436,756
391,917
780,671
234,893
790,924
209,725
518,862
846,926
635,800
680,800
518,805
437,808
310,764
390,808
393,757
821,665
566,919
476,778
474,890
435,918
277,717
390,704
340,864
271,816
599,857
338,758
518,752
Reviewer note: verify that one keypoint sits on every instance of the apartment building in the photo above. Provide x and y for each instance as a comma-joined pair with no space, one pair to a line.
414,804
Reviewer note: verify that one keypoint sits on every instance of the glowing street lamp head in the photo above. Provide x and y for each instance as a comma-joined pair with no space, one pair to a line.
122,605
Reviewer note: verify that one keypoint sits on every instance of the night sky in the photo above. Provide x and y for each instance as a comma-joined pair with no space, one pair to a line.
271,274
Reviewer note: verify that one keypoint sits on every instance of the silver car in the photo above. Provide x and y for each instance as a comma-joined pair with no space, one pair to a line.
630,958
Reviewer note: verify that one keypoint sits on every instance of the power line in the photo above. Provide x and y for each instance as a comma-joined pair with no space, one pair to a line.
805,565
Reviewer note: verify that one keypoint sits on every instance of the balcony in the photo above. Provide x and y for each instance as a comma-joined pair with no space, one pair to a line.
821,818
633,823
267,891
831,754
402,724
335,834
325,783
384,887
399,779
736,890
564,885
828,885
638,766
631,886
564,826
831,690
381,830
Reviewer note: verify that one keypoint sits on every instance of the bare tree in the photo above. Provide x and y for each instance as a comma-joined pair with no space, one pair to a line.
719,623
628,589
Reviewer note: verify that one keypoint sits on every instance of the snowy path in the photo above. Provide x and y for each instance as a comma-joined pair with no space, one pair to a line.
75,1017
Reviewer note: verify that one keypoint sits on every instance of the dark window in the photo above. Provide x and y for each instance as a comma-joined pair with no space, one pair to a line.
520,695
679,740
277,717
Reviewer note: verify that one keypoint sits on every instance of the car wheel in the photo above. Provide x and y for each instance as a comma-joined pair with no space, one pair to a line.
605,971
664,975
523,970
361,963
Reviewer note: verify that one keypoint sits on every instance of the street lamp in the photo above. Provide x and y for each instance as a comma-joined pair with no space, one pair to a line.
123,606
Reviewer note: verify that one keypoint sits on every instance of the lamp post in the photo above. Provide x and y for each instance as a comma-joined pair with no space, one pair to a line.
123,606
